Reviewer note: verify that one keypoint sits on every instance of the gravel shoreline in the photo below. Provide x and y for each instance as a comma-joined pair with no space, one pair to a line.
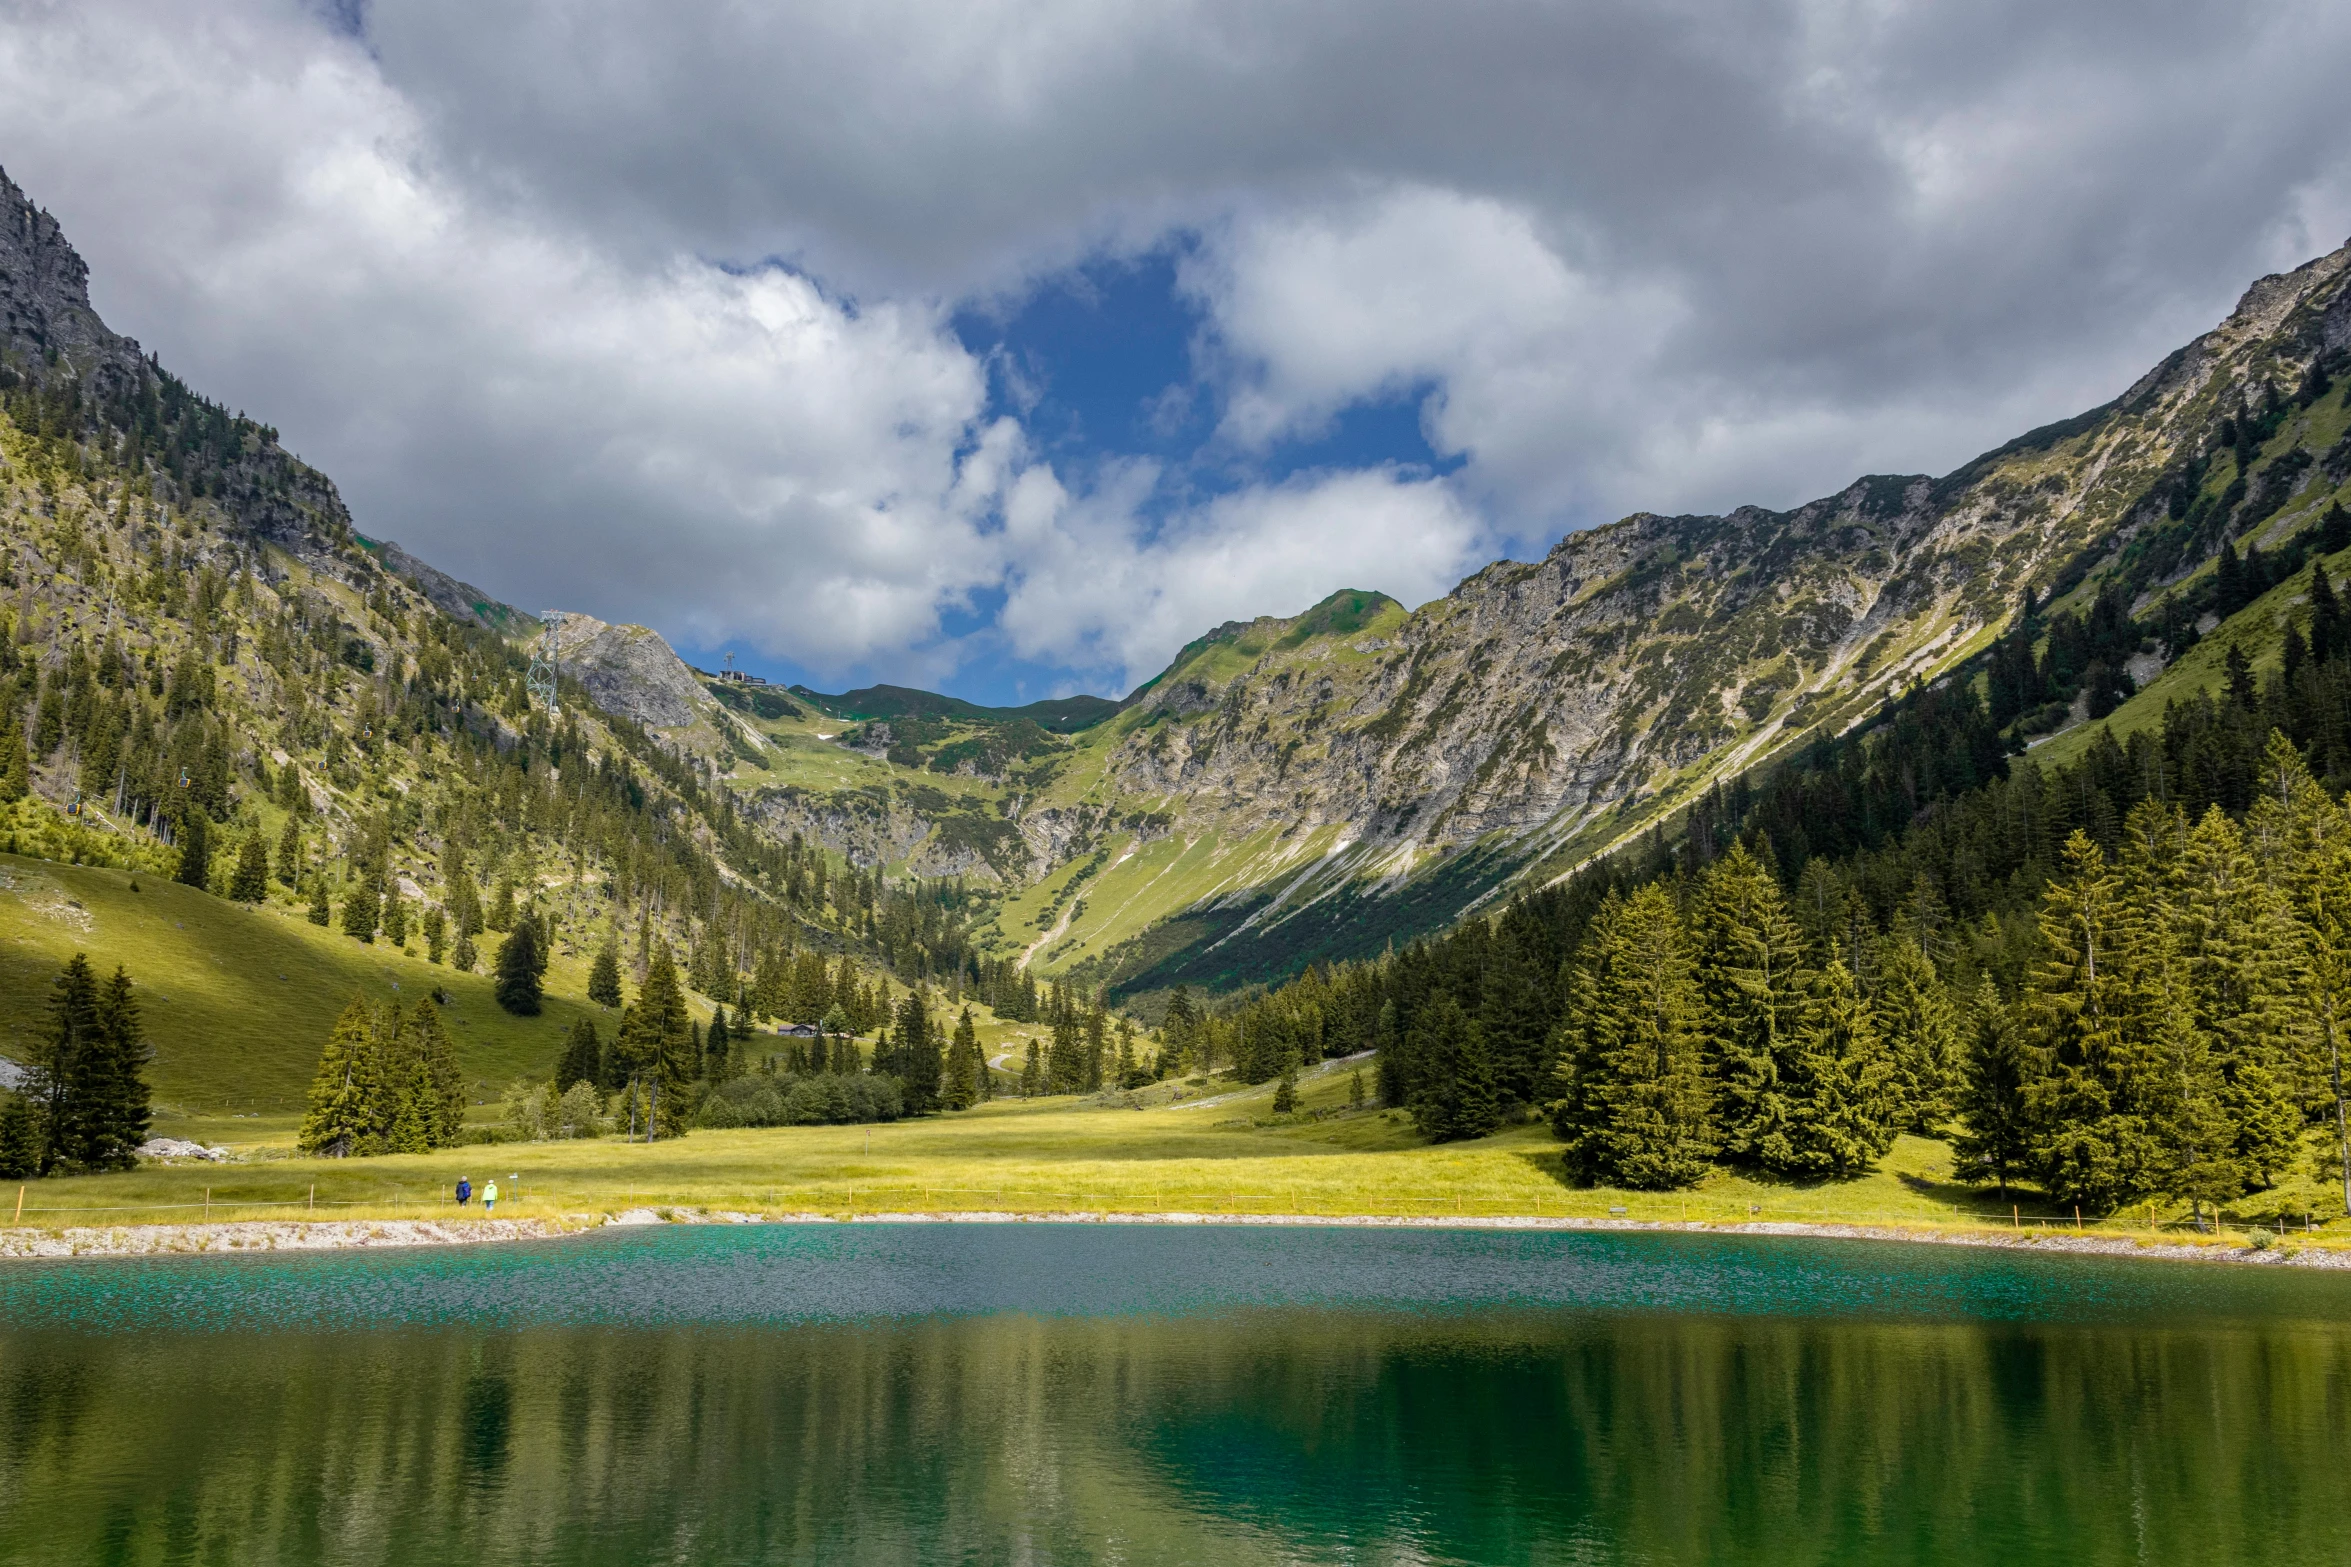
250,1236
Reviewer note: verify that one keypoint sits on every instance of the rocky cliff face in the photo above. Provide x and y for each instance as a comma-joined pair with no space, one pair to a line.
52,338
629,671
1656,654
45,305
1536,714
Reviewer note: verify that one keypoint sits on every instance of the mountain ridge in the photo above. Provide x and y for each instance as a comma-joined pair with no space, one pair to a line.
1290,788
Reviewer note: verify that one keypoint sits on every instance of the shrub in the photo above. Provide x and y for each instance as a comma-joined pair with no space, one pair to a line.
819,1099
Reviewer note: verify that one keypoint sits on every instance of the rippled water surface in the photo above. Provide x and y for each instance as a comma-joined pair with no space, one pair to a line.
1045,1393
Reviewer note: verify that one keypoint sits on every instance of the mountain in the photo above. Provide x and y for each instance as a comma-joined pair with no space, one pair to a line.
1060,715
1287,789
198,650
1291,789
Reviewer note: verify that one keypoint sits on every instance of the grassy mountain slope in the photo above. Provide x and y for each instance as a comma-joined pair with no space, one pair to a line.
1061,715
1542,713
192,633
1298,788
1287,789
237,997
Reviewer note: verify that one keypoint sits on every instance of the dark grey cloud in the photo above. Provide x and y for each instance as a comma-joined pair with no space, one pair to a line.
505,270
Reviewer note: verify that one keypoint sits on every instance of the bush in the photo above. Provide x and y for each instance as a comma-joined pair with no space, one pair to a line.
579,1113
820,1099
526,1106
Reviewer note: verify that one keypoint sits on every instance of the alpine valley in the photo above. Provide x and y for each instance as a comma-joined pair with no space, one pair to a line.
197,629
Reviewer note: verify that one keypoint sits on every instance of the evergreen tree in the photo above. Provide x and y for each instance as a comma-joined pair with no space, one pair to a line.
290,853
195,868
1457,1097
582,1058
250,882
604,975
518,986
1032,1074
1096,1045
363,908
114,1104
16,773
1752,982
340,1118
715,1047
1635,1111
1182,1018
2325,896
2239,947
1912,1012
1065,1068
2094,1012
444,1088
1840,1091
463,956
408,1111
2326,615
918,1050
656,1045
1516,1008
1285,1092
1128,1068
436,933
834,1024
1995,1135
965,1066
395,915
20,1135
70,1036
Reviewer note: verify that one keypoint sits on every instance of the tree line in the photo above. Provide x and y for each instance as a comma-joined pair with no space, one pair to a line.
387,1082
2114,980
82,1104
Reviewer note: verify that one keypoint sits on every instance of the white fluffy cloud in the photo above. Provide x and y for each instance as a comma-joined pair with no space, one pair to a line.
726,450
1097,587
511,273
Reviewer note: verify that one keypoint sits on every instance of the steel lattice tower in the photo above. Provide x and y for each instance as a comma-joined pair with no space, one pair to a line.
539,684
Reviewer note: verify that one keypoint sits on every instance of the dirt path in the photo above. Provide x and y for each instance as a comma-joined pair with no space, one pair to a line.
1061,925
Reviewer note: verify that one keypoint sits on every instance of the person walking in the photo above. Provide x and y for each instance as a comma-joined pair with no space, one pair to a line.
464,1191
490,1197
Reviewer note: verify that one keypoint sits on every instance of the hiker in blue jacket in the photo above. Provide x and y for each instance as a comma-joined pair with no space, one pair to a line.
464,1191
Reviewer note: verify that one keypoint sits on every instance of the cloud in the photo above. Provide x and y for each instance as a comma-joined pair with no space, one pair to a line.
644,307
1099,587
728,451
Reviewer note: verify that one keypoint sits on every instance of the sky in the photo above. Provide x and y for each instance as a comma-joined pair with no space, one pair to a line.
1003,348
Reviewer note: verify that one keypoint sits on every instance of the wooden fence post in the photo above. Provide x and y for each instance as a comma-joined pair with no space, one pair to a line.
20,1205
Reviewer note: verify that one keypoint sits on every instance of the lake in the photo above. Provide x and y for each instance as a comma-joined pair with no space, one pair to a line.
1037,1393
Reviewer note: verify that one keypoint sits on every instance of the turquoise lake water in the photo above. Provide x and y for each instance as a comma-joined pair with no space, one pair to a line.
1080,1393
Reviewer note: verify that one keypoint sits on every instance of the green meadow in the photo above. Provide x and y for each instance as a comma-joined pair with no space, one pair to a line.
238,1001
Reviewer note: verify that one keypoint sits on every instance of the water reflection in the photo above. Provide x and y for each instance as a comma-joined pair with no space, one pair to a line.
1454,1430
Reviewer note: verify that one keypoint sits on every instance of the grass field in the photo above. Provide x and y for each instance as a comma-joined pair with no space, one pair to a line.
1218,1152
239,1000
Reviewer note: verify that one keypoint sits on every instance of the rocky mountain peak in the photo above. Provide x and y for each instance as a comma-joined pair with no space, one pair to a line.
631,671
45,302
